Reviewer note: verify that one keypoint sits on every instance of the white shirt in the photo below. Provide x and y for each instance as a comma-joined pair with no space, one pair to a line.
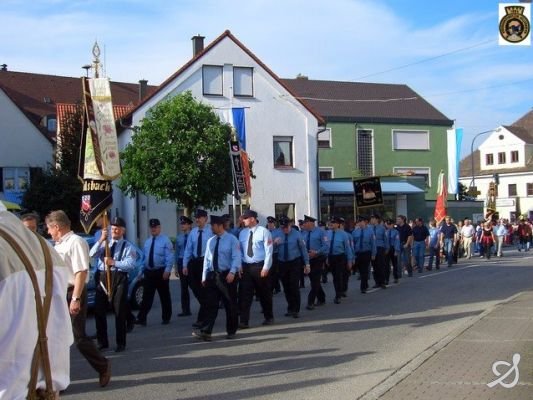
468,231
74,251
18,330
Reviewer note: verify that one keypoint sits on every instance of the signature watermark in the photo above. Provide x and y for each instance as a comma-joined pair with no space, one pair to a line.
512,368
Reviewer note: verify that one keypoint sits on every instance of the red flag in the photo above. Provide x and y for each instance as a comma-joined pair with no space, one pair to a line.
442,197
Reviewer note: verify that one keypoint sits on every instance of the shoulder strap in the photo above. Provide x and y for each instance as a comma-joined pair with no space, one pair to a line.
40,355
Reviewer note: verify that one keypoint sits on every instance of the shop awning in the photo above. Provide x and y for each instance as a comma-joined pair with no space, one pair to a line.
345,187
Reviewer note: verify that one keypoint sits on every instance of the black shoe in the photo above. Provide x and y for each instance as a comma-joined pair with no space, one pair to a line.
363,291
120,348
295,315
343,294
140,322
320,303
268,321
206,337
244,325
103,347
310,307
324,280
129,326
166,322
184,314
396,281
383,286
289,314
336,300
375,286
230,336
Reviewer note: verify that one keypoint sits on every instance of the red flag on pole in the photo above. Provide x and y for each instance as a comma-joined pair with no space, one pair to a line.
442,199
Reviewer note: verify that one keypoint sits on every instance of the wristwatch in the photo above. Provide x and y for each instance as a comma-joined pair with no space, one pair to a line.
74,298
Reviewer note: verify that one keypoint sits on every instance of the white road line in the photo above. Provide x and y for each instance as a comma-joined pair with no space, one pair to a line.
449,270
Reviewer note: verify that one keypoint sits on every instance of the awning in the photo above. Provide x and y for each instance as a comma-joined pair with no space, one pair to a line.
345,187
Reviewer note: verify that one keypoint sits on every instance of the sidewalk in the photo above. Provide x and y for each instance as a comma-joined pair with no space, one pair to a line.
460,365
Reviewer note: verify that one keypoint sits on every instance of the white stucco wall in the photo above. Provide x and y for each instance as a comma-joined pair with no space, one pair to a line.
21,143
272,111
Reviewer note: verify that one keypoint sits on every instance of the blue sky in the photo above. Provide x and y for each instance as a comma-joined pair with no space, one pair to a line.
457,63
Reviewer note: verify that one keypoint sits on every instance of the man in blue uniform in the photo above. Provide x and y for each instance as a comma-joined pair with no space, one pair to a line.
382,246
256,249
181,241
340,256
157,268
274,270
222,261
316,241
193,260
121,261
291,253
391,259
365,249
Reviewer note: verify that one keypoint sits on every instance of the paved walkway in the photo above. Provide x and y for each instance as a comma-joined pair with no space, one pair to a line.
461,365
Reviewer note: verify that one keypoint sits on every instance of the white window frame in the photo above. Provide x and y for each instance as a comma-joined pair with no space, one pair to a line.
423,146
324,136
331,170
289,139
243,81
15,179
212,80
416,170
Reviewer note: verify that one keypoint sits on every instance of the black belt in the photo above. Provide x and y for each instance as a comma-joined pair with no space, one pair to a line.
290,261
259,263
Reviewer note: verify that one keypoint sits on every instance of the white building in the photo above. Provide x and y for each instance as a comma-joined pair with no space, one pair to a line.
227,75
505,158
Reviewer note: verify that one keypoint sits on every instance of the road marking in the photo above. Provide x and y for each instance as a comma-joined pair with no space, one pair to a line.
449,270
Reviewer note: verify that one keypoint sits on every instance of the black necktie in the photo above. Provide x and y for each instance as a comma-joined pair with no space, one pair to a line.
199,244
309,240
215,255
112,250
361,240
332,243
151,256
184,242
286,247
250,250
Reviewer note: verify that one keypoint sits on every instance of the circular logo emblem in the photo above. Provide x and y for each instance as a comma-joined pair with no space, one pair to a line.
514,27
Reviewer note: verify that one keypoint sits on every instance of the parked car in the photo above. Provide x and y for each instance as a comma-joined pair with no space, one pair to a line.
135,278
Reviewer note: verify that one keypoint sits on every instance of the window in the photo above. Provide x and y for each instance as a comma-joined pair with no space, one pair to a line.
512,189
283,151
284,209
501,158
489,159
243,81
514,156
15,180
325,173
530,189
410,140
324,138
365,153
212,80
414,171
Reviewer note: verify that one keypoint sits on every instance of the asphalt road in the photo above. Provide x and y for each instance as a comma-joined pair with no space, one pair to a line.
337,351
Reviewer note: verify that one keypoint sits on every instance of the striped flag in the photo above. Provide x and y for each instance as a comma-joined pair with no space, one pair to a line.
442,199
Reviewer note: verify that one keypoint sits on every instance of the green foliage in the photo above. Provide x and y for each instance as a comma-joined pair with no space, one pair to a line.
463,192
179,153
58,188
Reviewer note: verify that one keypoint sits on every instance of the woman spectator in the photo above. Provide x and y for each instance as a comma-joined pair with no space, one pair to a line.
487,239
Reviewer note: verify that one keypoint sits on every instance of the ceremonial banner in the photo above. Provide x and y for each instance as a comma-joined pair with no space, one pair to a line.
237,167
368,192
99,160
442,199
454,139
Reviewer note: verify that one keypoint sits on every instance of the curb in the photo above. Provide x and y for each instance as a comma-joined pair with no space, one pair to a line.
404,371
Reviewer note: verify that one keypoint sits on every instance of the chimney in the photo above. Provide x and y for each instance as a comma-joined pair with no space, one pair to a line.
197,44
4,67
143,86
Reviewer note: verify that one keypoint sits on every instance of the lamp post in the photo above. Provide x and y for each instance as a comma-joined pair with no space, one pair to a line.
473,182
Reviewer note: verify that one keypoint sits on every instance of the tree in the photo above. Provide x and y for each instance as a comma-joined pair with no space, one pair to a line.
58,186
179,153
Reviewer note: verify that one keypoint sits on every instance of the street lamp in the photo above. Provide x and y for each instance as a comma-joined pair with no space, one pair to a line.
473,182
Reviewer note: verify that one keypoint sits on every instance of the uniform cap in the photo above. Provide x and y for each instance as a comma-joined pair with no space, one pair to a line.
117,221
307,218
271,219
336,220
249,214
185,220
215,219
200,213
284,220
154,222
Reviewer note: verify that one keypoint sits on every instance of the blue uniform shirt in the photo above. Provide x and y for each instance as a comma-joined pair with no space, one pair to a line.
192,243
294,244
261,245
393,237
368,242
181,242
317,240
340,244
163,253
275,232
380,234
124,255
229,254
433,236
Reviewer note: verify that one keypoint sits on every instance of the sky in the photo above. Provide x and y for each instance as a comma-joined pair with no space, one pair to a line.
446,51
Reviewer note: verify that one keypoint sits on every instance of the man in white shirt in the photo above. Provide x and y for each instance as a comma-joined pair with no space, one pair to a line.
468,233
75,253
500,231
18,330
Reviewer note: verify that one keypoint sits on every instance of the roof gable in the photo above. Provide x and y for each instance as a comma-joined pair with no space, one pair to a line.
204,52
366,102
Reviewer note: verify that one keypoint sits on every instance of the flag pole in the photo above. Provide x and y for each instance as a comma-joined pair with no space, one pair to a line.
107,254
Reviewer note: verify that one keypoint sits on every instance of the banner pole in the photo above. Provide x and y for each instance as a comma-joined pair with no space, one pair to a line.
107,254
